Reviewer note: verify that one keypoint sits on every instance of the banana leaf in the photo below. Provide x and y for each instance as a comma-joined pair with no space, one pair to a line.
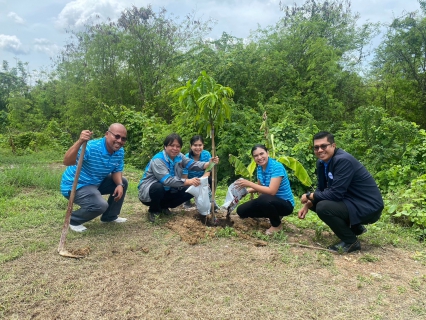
297,167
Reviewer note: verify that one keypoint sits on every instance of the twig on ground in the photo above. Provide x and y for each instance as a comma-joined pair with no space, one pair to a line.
310,247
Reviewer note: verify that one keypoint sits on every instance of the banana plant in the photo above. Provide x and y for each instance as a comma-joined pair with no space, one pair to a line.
299,171
241,169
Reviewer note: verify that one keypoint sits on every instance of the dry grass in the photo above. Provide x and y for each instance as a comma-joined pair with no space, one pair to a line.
142,271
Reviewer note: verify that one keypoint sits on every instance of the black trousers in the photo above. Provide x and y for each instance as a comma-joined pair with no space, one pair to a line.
336,216
266,206
162,199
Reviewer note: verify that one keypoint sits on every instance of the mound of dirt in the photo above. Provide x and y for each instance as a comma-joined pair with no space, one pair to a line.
81,251
194,228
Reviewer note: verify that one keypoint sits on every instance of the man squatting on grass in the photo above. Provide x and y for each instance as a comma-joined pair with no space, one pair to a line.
346,196
101,173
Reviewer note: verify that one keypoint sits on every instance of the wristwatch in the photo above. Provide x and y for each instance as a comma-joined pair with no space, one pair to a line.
120,184
308,194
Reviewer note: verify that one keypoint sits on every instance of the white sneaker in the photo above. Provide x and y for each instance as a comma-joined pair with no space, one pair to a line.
119,220
79,228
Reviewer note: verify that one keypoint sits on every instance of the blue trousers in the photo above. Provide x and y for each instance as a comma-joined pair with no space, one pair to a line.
92,204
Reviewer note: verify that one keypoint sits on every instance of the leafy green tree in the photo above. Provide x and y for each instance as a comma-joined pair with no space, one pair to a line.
390,147
154,44
323,45
145,133
333,21
232,141
22,114
229,60
103,52
307,60
11,80
399,68
79,104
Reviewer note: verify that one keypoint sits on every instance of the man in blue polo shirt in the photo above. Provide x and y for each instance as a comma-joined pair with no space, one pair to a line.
101,173
347,197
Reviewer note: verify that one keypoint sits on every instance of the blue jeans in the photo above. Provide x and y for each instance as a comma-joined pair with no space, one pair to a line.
92,204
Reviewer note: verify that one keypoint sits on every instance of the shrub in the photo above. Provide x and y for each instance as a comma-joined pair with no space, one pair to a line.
408,206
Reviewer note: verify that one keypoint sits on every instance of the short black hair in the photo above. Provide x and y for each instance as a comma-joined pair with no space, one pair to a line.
257,146
324,134
172,137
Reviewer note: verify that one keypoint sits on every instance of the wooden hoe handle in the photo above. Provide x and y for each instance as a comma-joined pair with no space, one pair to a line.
71,200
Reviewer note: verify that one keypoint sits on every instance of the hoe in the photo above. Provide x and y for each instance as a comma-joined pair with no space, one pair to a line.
61,249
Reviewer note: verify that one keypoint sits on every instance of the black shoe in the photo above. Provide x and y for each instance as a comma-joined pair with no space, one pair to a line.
358,229
151,216
166,212
187,204
343,247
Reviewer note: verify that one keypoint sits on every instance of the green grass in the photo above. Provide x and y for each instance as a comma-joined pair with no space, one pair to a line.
369,258
226,232
35,171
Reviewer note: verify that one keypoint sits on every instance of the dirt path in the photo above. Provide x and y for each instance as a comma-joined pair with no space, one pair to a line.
180,270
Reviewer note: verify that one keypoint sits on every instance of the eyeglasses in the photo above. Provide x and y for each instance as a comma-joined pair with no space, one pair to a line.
322,146
118,137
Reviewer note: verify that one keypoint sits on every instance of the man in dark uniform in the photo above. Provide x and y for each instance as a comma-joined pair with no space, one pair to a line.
346,198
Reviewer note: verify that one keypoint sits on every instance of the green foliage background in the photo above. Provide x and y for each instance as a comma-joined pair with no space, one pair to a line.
309,72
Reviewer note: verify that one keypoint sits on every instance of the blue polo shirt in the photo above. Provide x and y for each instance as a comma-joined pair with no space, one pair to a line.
275,169
205,156
98,163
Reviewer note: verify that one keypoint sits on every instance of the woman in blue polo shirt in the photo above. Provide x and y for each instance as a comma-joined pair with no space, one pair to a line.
275,197
197,153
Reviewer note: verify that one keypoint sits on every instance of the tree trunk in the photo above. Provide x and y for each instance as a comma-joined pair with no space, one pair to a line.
213,175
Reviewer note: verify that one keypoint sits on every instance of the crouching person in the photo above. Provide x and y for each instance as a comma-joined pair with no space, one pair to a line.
275,197
101,173
162,186
346,198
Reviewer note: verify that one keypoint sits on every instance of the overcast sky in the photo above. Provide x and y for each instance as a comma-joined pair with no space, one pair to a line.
34,30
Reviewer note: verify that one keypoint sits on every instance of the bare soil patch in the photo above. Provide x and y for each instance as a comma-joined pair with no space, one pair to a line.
194,228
